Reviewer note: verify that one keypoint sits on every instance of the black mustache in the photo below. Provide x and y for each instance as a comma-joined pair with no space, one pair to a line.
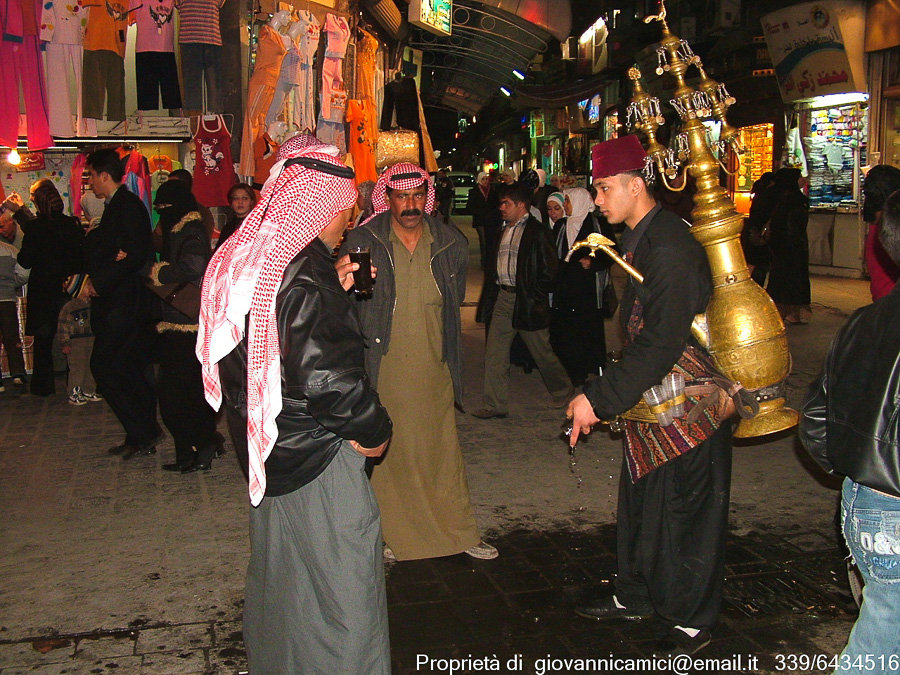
410,212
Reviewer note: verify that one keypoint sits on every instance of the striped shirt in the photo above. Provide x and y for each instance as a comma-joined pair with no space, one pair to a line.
508,252
199,21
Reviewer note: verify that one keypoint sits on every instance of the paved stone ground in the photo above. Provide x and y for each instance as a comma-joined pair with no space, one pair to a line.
119,567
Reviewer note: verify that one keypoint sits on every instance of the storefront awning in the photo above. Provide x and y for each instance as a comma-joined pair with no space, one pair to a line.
560,95
488,43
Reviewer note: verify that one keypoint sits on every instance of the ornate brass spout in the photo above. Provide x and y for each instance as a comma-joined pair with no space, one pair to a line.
746,337
597,242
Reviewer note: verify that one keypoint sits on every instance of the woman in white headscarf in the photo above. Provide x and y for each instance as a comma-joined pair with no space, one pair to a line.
576,324
556,208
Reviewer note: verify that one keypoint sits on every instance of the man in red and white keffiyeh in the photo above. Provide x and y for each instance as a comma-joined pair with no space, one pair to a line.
281,346
402,176
414,358
242,280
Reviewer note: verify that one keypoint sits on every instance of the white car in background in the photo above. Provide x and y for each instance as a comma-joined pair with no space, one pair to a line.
463,181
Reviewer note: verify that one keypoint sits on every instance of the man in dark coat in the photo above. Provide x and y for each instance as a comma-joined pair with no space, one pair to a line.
675,480
117,252
482,205
516,299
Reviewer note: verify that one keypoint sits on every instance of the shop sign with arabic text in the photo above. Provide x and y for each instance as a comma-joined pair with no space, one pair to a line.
808,51
435,16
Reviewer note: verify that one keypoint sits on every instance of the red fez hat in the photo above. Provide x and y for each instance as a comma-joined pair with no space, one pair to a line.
617,156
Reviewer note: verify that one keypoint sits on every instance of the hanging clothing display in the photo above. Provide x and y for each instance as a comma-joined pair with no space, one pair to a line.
103,69
21,63
289,79
330,130
363,134
62,32
401,97
270,51
366,50
213,168
265,154
201,52
332,95
338,31
305,107
137,175
155,69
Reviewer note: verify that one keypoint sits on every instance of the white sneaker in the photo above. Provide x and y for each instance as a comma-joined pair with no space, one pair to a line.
388,553
75,398
92,397
483,551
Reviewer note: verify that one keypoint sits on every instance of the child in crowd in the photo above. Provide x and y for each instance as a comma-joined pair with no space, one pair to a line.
12,278
77,341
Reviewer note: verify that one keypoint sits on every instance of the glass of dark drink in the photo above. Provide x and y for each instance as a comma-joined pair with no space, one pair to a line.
362,278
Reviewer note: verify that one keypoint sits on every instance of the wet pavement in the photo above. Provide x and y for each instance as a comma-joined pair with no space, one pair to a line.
121,567
783,595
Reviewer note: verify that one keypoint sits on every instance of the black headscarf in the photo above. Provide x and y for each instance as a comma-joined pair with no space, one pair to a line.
177,201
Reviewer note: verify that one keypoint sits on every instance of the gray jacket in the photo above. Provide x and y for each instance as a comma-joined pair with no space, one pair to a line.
449,259
12,275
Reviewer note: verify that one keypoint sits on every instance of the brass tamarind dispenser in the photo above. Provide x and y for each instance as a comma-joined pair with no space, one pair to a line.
743,330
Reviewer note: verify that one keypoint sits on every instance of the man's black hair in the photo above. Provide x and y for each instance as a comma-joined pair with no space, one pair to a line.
516,192
649,182
107,160
889,227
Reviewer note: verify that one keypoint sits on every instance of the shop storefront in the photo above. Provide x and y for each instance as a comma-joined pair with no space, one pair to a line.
317,68
758,140
817,52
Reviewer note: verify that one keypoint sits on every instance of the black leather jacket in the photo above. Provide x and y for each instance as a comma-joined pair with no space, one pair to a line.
850,416
536,266
326,395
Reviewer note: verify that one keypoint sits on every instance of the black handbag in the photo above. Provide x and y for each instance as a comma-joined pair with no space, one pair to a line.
183,296
609,300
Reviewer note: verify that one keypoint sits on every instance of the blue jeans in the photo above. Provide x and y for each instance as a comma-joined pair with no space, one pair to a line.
872,530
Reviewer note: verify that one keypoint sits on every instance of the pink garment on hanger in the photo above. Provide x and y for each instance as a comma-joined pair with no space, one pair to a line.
21,63
338,31
332,83
76,180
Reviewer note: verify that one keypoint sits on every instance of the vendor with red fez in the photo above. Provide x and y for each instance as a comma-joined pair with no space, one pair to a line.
675,480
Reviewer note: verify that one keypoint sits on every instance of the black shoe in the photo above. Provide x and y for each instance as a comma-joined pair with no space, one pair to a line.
678,642
139,450
606,609
176,467
197,465
119,449
220,445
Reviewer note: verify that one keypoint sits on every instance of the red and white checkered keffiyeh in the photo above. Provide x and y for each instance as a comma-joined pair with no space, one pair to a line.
402,176
243,278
